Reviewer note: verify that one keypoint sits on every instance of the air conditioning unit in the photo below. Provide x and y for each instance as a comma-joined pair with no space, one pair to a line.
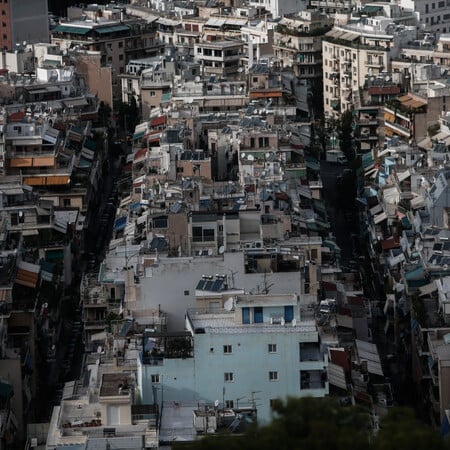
258,244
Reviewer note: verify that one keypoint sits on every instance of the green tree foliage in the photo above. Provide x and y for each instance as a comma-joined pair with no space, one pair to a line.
401,431
323,424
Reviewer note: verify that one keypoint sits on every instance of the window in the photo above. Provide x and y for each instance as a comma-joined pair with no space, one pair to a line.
200,234
228,377
273,376
245,315
152,94
120,57
160,222
227,349
229,404
66,202
272,348
186,292
120,44
258,314
155,378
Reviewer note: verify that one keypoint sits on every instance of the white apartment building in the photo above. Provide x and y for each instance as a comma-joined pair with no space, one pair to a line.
434,16
255,350
279,8
352,53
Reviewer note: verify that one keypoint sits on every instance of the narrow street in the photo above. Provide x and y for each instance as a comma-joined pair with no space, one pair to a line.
341,211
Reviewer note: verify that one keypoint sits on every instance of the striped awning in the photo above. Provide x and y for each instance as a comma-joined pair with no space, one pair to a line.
47,181
27,278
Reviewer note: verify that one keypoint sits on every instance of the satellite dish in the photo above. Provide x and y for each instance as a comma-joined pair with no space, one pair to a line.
216,403
197,79
240,69
229,304
99,349
210,252
221,250
267,155
243,155
294,322
250,158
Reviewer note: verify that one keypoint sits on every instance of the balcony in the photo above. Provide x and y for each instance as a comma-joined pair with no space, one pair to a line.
94,324
313,382
398,128
376,64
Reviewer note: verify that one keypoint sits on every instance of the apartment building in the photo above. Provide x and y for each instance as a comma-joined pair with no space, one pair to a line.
117,41
280,8
221,58
23,21
285,348
433,17
298,42
353,53
104,411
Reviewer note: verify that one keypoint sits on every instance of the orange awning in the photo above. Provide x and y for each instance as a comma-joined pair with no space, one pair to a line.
26,278
265,94
64,179
41,162
47,181
34,181
389,116
21,162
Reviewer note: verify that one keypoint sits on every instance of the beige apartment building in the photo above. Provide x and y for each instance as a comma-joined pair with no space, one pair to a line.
352,53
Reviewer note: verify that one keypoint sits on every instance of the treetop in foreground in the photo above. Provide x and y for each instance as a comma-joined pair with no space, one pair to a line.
323,424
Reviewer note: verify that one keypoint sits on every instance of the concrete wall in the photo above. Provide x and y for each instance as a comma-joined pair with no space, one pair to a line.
97,78
29,21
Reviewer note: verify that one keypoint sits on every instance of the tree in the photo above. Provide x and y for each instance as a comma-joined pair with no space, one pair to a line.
301,423
401,431
323,424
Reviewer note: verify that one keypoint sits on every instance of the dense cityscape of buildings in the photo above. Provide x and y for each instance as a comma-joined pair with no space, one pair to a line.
207,206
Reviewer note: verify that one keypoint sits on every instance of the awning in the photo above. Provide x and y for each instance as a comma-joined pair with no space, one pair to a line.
27,274
33,232
428,289
312,165
369,352
21,162
417,202
47,181
120,224
403,175
58,180
378,219
139,135
53,255
336,375
112,29
70,29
